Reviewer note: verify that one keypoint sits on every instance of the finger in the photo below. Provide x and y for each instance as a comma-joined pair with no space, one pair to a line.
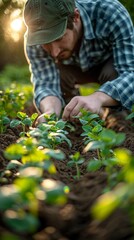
104,113
79,114
77,109
101,112
40,119
68,109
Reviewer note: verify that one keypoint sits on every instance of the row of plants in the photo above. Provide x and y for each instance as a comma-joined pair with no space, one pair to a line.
33,154
14,96
117,162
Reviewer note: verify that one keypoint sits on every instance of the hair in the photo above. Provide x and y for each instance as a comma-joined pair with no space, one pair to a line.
70,21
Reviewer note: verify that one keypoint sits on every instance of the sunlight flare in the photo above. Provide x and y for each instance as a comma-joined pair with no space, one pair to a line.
16,25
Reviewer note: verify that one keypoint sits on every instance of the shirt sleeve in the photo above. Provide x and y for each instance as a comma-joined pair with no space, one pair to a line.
44,74
121,38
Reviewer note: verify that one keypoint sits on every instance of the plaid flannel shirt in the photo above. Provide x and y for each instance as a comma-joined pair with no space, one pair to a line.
108,31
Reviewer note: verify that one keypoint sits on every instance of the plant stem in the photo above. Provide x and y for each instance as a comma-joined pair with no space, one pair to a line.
98,154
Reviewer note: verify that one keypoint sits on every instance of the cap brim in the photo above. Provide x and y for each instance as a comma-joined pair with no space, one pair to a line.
46,36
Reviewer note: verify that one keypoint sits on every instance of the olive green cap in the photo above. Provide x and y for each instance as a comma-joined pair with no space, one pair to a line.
46,20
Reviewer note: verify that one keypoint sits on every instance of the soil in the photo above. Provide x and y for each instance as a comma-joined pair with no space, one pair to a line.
73,220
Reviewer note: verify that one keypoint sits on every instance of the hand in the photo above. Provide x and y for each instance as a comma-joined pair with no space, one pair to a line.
40,119
49,105
94,103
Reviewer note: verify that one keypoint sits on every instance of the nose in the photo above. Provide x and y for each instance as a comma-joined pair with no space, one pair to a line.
52,49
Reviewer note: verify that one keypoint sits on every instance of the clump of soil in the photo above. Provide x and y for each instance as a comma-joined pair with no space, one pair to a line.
73,220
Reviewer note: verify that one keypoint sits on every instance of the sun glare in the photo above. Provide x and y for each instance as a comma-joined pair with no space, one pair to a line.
16,25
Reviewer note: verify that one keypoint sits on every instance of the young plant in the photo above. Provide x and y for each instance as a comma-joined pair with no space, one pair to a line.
51,133
12,101
24,120
19,202
107,141
76,160
88,118
53,119
103,140
92,125
4,121
122,195
27,151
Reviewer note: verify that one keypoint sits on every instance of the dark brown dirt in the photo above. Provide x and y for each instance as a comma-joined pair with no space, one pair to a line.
73,220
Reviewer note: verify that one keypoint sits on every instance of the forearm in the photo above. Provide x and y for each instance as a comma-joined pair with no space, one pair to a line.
105,99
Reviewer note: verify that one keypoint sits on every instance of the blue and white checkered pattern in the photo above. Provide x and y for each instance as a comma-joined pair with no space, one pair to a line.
108,31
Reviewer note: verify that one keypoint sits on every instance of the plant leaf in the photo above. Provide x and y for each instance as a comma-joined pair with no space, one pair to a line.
94,165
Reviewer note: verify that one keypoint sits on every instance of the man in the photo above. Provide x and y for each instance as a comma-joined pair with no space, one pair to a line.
72,42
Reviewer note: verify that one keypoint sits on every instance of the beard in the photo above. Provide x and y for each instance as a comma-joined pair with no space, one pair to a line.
64,55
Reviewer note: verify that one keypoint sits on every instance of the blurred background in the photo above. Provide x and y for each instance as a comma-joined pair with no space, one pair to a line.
12,31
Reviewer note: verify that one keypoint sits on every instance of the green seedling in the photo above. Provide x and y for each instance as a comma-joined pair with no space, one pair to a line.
103,140
19,202
56,192
51,133
76,160
122,195
4,121
92,125
58,122
51,117
89,118
27,151
12,101
24,120
29,187
106,142
13,202
107,139
18,197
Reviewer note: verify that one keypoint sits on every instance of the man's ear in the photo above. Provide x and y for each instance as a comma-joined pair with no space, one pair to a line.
76,15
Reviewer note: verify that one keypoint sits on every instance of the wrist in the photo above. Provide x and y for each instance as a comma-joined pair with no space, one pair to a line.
105,99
